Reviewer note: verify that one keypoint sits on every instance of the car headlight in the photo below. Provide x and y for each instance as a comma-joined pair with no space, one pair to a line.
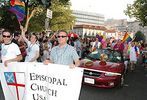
111,74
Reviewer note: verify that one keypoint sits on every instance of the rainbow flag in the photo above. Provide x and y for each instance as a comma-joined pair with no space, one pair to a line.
18,8
126,38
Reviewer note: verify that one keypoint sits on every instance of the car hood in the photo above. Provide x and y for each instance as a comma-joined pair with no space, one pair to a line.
98,65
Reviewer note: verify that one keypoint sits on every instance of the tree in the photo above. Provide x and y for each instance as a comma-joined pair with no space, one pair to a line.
138,10
7,19
65,2
37,22
47,3
62,16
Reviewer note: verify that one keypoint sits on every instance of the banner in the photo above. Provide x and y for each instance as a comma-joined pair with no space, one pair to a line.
36,81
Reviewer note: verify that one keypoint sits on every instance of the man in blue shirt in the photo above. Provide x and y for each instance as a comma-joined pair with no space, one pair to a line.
63,53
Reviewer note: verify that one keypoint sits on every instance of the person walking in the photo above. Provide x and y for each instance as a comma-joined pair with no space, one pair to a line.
133,55
63,53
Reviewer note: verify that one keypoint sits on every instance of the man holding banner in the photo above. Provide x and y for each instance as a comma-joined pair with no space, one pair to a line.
10,51
63,53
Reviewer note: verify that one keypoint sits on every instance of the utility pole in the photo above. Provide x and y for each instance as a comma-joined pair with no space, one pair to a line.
48,16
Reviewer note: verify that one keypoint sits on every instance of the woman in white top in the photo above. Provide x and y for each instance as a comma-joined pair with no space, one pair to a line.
33,47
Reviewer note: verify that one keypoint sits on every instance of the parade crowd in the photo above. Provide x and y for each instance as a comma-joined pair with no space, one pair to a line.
60,48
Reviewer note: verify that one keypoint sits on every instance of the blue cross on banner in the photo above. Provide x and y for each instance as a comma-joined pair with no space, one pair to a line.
16,85
9,76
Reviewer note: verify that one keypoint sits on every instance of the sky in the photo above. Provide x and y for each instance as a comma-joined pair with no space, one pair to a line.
109,8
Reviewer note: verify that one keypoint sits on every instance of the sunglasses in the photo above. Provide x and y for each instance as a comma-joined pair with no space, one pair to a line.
61,36
6,36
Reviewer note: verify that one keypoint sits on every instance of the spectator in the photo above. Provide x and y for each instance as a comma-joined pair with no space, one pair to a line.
96,44
16,38
119,46
77,45
46,51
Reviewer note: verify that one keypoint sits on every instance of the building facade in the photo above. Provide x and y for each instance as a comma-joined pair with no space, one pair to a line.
88,18
122,26
88,23
88,30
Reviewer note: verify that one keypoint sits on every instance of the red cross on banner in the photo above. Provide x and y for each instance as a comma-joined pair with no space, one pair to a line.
15,82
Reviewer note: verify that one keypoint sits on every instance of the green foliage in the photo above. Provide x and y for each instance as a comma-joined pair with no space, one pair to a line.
65,2
62,17
37,22
139,36
8,20
138,10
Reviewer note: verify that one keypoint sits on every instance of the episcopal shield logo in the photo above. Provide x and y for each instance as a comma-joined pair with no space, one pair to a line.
16,84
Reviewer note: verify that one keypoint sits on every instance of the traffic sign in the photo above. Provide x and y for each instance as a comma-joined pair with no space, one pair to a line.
49,14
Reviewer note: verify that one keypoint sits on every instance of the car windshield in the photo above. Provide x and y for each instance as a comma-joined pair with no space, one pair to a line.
112,55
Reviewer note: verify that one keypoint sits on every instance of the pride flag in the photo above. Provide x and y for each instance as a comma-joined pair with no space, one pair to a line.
126,38
18,8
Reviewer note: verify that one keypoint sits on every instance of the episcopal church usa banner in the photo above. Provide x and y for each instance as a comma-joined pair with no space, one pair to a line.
35,81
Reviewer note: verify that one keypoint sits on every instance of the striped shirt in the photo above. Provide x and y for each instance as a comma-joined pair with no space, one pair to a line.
65,55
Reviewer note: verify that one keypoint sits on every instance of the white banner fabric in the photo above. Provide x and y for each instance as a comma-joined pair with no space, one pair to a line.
36,81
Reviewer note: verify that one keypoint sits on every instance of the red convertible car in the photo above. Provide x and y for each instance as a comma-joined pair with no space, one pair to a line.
103,68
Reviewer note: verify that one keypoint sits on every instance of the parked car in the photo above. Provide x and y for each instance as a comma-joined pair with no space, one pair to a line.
103,68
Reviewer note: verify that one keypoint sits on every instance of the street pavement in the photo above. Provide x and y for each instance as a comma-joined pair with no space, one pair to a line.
135,88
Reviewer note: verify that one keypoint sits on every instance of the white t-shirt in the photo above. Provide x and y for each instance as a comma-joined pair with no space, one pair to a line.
31,51
96,44
9,51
